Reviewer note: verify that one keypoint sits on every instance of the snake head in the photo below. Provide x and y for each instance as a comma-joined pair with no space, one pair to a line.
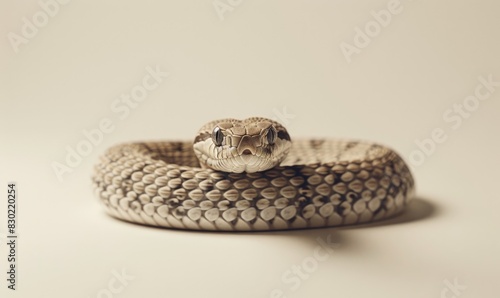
250,145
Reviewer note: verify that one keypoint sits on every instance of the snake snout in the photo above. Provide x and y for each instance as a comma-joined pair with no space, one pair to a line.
248,145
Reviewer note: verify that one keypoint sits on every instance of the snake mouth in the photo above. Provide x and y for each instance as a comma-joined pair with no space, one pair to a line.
249,163
246,152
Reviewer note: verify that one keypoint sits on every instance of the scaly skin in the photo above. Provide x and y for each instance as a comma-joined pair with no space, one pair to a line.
321,183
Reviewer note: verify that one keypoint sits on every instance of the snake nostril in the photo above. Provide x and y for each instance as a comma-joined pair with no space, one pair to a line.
246,152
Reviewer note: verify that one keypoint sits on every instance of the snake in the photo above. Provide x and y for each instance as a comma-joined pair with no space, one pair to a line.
248,175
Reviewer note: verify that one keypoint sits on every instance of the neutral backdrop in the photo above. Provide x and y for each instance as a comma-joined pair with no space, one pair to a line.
398,74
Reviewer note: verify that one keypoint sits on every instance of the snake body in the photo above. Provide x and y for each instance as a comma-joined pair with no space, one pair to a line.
320,183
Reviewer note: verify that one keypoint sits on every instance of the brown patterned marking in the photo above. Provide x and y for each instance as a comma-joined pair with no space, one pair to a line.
349,145
249,194
196,194
279,182
188,204
241,184
316,144
269,193
180,193
288,192
323,189
260,183
232,195
213,195
262,204
340,188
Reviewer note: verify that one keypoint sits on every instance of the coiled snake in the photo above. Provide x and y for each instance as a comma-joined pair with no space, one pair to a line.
250,177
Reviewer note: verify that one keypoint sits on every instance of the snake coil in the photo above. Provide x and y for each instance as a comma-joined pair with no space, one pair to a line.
320,183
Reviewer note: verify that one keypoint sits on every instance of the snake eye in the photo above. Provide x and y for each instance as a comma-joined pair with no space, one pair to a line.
217,136
271,135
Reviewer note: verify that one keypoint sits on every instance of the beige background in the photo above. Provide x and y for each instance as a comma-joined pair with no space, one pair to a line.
266,58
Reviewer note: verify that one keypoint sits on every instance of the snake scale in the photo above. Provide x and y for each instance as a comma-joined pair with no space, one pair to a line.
249,176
